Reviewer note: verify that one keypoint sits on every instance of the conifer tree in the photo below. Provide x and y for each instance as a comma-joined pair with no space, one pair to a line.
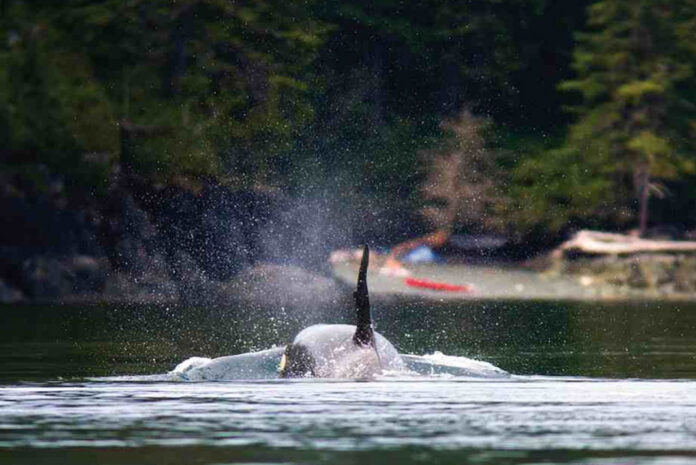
634,67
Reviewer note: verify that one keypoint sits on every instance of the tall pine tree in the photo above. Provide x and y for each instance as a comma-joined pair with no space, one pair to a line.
635,66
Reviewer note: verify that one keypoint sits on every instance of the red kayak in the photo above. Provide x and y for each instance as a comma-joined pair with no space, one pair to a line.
438,286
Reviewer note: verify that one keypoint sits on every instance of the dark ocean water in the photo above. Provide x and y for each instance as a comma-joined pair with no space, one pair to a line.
593,383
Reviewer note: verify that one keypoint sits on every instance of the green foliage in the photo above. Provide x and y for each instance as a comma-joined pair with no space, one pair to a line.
555,188
296,96
56,114
209,88
630,70
632,80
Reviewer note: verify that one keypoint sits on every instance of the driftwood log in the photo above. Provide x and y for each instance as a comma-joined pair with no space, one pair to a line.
602,243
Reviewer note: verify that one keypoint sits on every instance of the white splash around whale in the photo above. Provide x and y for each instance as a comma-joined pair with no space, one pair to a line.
264,365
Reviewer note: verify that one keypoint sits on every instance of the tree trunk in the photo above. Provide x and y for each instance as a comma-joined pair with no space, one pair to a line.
643,178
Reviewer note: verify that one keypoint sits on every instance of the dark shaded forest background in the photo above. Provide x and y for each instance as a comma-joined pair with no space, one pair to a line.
220,124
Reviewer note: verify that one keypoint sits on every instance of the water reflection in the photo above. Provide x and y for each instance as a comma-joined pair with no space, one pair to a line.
618,340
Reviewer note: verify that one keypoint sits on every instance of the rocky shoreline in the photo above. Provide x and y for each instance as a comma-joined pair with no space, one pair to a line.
143,243
648,267
659,274
590,266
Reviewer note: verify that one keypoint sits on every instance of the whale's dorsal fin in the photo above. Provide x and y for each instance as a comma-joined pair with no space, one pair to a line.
364,334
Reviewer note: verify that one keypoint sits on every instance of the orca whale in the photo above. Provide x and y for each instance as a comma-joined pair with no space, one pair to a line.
333,351
342,351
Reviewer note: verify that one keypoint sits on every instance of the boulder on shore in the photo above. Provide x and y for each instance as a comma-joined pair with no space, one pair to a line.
8,294
661,266
270,286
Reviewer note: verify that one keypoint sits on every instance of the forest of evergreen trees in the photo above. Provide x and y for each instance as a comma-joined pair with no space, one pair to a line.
538,116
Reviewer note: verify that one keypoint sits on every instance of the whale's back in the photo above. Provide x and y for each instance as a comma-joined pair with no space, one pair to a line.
329,351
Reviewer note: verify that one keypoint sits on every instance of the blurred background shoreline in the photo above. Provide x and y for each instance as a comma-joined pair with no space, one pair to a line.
203,150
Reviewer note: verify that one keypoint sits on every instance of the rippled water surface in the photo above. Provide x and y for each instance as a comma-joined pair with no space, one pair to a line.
593,384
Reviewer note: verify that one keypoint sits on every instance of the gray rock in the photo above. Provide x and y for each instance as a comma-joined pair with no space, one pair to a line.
50,277
88,273
133,235
267,288
123,287
8,294
45,278
663,273
286,286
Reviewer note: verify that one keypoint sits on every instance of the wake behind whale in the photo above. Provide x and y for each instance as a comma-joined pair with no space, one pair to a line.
334,351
